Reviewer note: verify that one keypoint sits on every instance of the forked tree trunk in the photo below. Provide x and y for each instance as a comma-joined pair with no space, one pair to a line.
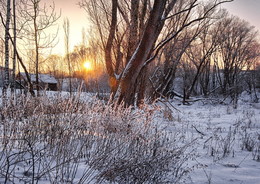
126,89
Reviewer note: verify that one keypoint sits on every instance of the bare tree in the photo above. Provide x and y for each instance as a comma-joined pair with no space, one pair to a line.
14,50
122,35
18,55
200,53
39,17
236,53
126,83
172,54
53,65
7,36
66,28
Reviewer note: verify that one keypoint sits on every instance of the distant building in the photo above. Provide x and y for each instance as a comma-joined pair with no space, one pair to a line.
46,81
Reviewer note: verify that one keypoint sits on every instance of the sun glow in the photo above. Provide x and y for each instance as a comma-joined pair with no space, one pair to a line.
88,66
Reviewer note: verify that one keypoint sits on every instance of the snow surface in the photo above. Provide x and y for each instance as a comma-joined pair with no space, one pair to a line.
216,128
220,133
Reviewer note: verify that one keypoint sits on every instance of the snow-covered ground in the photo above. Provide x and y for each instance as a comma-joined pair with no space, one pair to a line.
227,140
224,142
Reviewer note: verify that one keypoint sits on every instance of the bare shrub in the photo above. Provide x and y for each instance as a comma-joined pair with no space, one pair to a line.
221,145
248,141
251,142
256,150
66,140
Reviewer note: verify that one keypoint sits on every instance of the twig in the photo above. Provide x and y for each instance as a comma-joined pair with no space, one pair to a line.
199,131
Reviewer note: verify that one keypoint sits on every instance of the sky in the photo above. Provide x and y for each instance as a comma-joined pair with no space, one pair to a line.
247,10
78,21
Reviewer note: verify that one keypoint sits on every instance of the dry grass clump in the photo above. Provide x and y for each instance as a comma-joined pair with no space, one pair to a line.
65,140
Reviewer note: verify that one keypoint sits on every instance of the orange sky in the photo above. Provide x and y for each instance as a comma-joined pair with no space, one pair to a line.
78,21
245,9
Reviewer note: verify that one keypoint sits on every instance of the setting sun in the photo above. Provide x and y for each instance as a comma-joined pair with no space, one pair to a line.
87,65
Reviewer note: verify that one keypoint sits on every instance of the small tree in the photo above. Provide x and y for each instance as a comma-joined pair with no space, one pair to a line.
14,50
7,36
38,18
66,28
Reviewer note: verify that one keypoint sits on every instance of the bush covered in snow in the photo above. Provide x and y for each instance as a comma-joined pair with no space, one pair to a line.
65,140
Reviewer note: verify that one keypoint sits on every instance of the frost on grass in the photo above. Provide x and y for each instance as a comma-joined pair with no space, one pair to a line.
228,141
66,140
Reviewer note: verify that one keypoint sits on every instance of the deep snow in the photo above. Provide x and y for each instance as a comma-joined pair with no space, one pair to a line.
221,137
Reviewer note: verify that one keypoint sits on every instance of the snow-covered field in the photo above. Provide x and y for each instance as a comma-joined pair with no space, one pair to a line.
227,140
54,140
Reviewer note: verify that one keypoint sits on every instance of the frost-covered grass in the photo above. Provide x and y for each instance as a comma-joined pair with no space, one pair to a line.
228,140
79,139
61,139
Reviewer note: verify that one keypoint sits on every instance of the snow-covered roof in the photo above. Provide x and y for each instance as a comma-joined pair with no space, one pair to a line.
45,78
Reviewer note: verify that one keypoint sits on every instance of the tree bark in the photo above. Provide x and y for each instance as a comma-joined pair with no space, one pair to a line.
113,82
20,61
141,83
14,54
127,83
133,31
66,28
6,76
35,7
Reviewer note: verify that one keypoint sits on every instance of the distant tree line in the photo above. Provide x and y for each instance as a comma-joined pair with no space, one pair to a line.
148,45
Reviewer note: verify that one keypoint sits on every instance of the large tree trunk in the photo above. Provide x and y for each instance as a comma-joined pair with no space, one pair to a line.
133,30
108,48
126,90
141,84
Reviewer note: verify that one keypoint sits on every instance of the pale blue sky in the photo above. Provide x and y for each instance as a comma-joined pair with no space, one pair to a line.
248,10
